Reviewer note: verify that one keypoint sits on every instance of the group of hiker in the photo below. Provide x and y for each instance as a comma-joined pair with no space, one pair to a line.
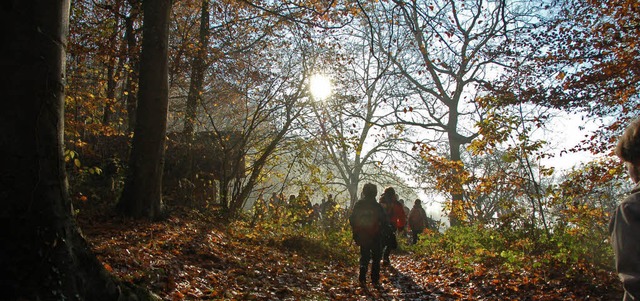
376,221
375,225
298,210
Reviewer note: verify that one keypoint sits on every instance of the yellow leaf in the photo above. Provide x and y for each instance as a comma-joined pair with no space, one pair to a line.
76,162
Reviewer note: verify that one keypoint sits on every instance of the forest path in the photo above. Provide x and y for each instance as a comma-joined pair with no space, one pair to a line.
191,256
409,279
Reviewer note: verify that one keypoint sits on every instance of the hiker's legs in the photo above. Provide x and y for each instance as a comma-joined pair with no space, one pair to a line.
389,244
365,257
376,254
385,254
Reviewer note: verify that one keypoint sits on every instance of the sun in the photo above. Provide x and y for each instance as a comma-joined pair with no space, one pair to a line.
320,86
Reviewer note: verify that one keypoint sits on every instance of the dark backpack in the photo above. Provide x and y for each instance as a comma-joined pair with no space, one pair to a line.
365,221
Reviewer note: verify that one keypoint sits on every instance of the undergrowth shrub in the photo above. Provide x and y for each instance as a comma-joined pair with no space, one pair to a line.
513,249
312,240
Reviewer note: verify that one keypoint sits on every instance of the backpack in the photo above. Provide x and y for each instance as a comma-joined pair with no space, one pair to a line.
398,217
365,222
416,219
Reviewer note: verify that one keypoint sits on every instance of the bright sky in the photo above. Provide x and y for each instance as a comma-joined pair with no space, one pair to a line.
320,86
567,133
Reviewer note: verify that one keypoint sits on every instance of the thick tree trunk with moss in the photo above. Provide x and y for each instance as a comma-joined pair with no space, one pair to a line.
43,256
142,193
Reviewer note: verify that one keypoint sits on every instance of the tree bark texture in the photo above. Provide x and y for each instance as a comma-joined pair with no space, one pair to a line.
43,256
457,194
142,193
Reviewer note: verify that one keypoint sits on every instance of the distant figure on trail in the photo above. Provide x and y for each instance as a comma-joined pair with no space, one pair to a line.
292,209
259,209
292,201
329,212
315,213
275,203
406,210
367,220
625,222
396,221
417,220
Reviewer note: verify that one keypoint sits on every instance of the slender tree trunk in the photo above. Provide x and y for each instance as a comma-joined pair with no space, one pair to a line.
142,193
132,73
224,193
195,87
112,68
42,253
261,161
111,93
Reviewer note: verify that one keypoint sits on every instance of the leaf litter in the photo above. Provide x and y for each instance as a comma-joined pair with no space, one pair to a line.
194,256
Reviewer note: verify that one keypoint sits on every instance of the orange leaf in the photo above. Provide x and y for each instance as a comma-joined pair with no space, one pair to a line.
108,267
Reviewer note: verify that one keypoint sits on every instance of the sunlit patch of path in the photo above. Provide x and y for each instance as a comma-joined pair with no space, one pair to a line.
400,281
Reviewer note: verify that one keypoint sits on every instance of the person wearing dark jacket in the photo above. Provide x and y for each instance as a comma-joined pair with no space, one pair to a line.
367,220
625,222
417,220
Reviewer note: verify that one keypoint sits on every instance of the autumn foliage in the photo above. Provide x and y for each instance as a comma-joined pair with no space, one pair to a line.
526,231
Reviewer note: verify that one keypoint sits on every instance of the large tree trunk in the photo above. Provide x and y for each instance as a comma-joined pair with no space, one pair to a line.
142,193
352,187
42,253
456,212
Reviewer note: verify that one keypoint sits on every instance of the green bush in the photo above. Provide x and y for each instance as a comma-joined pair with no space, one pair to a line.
312,240
466,246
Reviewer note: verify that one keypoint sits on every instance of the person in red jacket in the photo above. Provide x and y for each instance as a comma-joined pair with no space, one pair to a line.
397,220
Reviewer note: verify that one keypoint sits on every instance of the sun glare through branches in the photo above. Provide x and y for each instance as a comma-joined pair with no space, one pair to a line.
320,86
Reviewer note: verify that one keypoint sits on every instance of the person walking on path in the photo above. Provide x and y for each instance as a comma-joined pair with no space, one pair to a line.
417,220
625,222
396,219
367,220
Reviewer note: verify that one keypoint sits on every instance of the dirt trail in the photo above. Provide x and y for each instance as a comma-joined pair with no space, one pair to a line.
403,280
192,258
